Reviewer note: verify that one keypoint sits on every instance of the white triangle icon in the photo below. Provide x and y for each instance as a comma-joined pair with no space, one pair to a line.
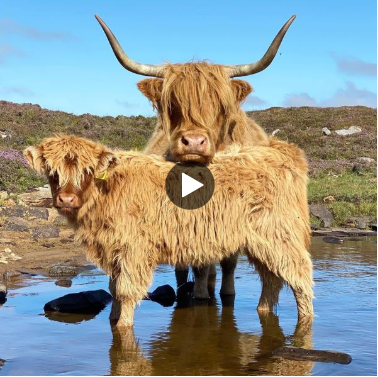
188,185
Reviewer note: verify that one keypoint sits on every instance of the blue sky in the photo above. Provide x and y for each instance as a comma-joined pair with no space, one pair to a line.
55,54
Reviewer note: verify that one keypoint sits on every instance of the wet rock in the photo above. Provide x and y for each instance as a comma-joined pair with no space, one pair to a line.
185,294
90,302
326,131
3,293
46,231
10,274
330,239
373,226
302,354
164,295
63,270
64,283
350,131
2,362
322,213
343,232
16,224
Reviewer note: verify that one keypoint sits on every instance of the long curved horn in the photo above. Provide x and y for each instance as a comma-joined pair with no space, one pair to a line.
126,62
264,62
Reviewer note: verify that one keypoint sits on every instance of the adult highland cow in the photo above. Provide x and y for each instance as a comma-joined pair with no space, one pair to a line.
199,113
260,197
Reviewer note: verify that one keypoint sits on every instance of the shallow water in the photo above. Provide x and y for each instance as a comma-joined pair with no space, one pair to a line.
201,340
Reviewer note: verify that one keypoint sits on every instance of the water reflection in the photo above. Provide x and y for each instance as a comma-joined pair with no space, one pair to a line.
202,340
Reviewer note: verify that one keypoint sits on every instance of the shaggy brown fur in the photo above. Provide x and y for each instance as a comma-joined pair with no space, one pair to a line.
260,197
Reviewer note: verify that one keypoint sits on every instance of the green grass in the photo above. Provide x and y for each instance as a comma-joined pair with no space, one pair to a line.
355,195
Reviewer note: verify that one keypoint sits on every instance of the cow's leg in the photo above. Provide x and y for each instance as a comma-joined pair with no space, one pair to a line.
296,271
122,312
181,272
133,276
212,276
116,304
228,268
201,275
271,286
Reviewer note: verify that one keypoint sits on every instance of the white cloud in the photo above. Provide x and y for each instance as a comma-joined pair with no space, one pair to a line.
350,95
354,66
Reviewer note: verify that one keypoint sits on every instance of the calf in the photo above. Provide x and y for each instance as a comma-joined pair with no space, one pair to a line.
118,205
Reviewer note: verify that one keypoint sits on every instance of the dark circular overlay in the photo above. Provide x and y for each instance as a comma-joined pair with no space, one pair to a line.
196,171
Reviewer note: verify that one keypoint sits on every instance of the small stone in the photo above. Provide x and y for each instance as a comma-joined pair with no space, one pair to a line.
322,213
9,202
3,195
329,198
48,245
90,302
326,131
64,283
366,160
314,226
45,231
330,239
16,224
350,131
3,293
63,270
373,226
164,295
275,132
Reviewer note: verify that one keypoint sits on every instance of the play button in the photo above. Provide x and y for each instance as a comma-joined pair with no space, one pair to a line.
189,185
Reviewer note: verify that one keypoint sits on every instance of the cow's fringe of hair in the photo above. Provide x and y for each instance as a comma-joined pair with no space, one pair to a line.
194,88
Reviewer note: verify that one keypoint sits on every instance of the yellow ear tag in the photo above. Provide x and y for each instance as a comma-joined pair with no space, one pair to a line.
103,175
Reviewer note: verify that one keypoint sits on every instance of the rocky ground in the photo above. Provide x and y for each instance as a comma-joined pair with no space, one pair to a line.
34,238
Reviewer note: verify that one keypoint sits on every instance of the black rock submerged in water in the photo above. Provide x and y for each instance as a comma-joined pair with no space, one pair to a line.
90,302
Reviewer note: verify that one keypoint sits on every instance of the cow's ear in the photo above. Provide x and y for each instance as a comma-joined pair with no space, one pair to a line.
35,159
106,161
152,89
241,89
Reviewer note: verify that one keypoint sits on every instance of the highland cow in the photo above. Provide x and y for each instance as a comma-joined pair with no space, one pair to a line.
259,206
199,113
